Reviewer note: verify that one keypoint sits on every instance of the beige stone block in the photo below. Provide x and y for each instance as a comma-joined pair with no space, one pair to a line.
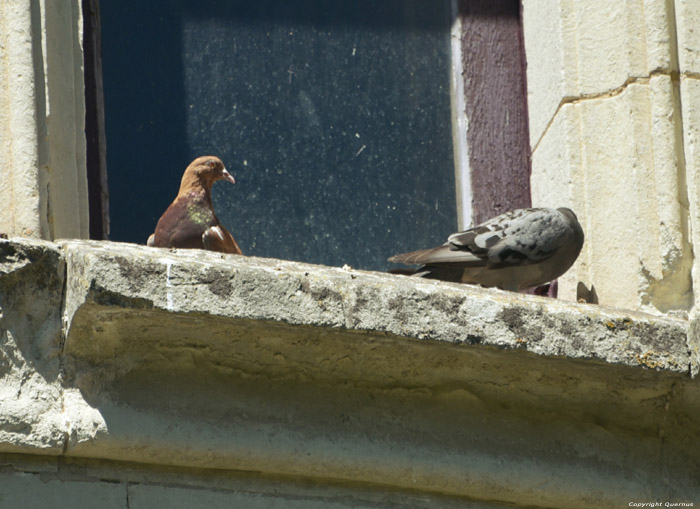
201,360
666,272
655,43
31,291
688,32
592,177
604,33
19,167
42,120
615,160
578,49
609,163
63,159
690,95
544,43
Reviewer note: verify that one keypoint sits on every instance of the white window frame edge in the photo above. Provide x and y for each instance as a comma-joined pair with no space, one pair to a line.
460,124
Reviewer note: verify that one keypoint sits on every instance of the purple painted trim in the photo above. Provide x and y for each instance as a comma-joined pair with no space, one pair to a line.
496,106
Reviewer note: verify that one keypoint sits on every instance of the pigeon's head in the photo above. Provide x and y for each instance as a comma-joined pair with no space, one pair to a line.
209,169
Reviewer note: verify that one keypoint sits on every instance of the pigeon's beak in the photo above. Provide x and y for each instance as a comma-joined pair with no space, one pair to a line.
227,176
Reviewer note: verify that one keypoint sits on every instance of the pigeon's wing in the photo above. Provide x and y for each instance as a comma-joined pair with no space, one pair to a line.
217,238
518,237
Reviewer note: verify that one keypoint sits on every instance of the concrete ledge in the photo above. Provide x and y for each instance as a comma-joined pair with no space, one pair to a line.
137,282
109,282
199,360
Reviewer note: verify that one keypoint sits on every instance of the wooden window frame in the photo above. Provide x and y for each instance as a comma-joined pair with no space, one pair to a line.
96,147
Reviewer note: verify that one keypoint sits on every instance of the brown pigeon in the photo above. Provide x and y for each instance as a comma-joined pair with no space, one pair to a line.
190,221
520,249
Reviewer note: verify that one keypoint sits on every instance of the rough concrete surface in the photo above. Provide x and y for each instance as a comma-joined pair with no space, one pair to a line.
199,360
32,279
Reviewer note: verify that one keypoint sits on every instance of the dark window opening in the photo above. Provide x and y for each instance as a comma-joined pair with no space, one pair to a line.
334,117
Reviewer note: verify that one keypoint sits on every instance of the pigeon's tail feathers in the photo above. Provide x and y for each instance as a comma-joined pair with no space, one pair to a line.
444,255
413,258
432,272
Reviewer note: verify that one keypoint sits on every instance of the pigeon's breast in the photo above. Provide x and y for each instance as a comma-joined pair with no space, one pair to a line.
200,214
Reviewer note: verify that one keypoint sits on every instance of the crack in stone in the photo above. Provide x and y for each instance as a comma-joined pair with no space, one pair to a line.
675,76
63,332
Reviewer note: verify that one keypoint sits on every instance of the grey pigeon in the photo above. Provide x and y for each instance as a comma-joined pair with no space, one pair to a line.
520,249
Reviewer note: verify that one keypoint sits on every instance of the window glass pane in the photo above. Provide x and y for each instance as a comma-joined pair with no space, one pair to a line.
334,117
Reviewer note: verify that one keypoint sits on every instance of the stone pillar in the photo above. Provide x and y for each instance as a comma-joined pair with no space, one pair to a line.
609,135
687,20
43,180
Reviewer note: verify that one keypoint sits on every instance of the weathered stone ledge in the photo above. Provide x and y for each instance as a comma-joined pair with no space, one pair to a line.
201,360
120,278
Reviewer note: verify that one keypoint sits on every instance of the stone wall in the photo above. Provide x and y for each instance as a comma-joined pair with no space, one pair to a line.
613,123
42,120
